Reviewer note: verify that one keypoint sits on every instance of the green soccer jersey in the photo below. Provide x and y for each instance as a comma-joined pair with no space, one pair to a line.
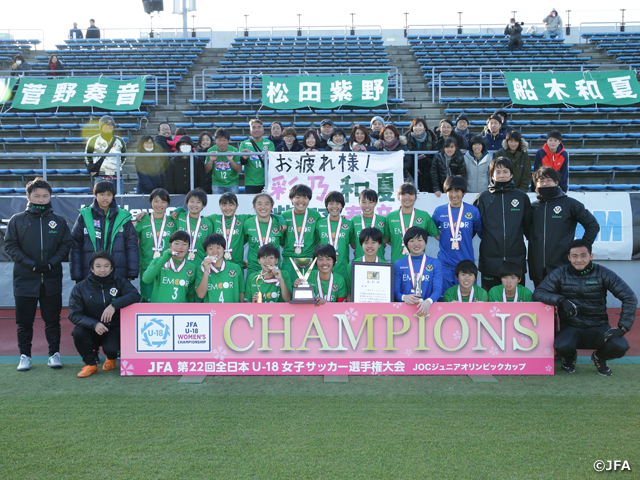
479,295
224,286
310,235
146,246
395,233
524,294
252,239
172,282
380,224
222,173
338,289
270,289
254,169
206,228
237,238
345,236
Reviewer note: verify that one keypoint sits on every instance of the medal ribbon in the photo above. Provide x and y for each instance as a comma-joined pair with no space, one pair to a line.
194,235
423,264
327,297
157,239
229,238
299,237
504,296
332,242
373,221
212,268
263,240
455,232
363,260
460,295
411,219
172,265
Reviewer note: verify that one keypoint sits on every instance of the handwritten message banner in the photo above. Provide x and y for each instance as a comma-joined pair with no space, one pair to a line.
337,339
346,172
324,92
580,88
6,86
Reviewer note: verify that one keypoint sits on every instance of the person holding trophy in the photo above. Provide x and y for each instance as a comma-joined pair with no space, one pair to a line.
269,284
417,277
218,280
328,286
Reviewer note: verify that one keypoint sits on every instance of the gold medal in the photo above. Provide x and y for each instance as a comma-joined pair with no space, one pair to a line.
405,251
298,250
156,254
455,245
192,256
227,255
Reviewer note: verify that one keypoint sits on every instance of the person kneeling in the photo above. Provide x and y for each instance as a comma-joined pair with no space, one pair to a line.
329,286
270,283
96,325
510,290
218,280
466,290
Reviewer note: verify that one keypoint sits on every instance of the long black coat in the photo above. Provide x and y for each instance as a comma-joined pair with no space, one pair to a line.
179,175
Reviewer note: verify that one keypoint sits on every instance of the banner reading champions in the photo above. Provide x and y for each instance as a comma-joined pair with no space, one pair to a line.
345,172
580,88
324,92
38,94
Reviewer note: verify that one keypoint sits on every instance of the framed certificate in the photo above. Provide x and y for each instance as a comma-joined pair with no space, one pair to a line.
371,282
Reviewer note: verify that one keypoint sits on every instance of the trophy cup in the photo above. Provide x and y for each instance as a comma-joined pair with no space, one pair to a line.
418,288
304,292
259,281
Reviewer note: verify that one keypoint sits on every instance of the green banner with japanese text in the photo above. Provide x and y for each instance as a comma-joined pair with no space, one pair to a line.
38,94
579,88
6,86
288,93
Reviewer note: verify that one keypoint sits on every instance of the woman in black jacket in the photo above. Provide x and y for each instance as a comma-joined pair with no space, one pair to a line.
150,170
179,170
448,161
359,140
445,130
421,138
54,65
94,309
392,141
289,141
205,141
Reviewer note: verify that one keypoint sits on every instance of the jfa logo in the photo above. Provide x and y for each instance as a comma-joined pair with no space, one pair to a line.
154,333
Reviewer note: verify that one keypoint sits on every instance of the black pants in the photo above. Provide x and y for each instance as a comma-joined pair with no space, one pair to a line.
253,188
569,339
490,281
50,307
87,342
515,43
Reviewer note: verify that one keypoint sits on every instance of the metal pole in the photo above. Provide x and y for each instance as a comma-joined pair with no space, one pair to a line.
460,23
191,168
406,24
119,165
353,30
622,23
415,169
184,18
568,24
246,25
299,28
44,167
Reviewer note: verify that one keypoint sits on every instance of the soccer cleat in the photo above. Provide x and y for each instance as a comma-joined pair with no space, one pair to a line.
25,363
601,365
87,370
108,365
569,364
54,361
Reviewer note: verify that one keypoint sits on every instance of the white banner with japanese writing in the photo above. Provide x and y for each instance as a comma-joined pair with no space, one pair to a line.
345,172
38,94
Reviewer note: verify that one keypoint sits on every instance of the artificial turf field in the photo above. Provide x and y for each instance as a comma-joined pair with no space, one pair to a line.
55,425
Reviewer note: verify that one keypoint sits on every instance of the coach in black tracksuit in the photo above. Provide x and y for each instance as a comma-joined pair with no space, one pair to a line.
554,220
580,291
38,240
88,303
505,212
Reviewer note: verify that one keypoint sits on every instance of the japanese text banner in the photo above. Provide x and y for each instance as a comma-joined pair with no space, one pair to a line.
6,85
37,94
337,338
580,88
346,172
324,92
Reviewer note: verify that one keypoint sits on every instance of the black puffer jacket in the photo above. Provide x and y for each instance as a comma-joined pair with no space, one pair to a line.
124,247
587,289
424,160
89,298
37,235
554,221
506,216
440,172
440,142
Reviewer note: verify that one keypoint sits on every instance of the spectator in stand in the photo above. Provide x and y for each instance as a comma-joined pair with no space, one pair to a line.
104,226
276,134
105,168
553,24
326,127
180,131
516,148
92,31
75,32
19,65
420,138
494,136
179,171
163,136
53,65
150,170
477,161
514,31
289,141
359,140
94,309
223,170
376,127
447,162
254,172
337,140
311,141
462,129
552,154
38,240
392,141
505,128
205,140
445,130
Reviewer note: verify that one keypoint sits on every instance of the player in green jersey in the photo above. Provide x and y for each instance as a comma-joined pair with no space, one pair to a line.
272,283
261,229
368,199
466,290
173,276
219,280
254,164
510,290
401,220
153,233
337,231
223,169
370,240
328,286
195,224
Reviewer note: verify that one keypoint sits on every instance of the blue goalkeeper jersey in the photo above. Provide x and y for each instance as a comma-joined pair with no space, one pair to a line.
431,278
470,226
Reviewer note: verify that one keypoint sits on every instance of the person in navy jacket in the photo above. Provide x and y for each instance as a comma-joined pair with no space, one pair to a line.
417,264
